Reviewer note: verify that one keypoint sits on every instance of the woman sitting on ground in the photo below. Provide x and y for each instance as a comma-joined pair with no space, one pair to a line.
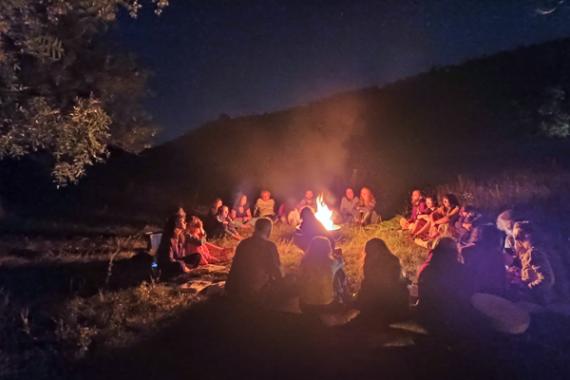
383,295
224,226
443,289
308,229
439,222
241,212
171,255
320,290
349,206
466,229
367,208
196,244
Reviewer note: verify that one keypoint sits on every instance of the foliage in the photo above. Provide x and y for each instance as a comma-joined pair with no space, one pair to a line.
61,89
556,119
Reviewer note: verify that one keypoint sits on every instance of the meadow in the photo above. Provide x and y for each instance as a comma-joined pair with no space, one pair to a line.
69,292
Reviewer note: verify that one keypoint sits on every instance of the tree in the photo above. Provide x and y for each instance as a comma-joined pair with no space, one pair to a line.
61,90
555,118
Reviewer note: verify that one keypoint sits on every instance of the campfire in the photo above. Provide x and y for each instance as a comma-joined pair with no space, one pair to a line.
325,215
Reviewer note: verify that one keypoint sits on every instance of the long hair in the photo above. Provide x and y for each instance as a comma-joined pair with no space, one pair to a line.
319,254
379,260
453,201
445,253
366,196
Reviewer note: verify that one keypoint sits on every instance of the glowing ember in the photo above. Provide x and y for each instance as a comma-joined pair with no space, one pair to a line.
324,215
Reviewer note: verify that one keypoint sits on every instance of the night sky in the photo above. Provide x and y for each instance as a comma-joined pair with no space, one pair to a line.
252,56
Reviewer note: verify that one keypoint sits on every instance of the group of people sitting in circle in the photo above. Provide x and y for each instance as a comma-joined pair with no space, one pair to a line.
223,221
467,256
501,257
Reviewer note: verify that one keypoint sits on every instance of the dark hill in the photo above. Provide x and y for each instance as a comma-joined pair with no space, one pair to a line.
476,118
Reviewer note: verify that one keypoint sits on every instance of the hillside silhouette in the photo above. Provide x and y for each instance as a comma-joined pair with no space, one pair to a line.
474,118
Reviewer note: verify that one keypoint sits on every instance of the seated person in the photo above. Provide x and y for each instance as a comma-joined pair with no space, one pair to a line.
534,280
196,244
383,295
256,267
223,226
418,207
505,224
264,206
320,290
484,262
241,212
443,290
294,216
423,217
308,229
439,222
467,225
367,208
349,206
210,221
172,257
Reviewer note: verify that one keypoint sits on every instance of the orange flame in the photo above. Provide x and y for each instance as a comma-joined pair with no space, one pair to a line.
324,215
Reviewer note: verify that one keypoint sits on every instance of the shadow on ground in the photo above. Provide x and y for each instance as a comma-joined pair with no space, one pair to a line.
213,340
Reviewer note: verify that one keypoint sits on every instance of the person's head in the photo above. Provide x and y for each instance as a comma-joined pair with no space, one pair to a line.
431,202
506,221
263,227
378,255
224,211
241,200
319,252
469,213
217,203
450,201
488,236
195,226
349,193
366,194
309,195
180,218
416,196
265,195
445,252
523,232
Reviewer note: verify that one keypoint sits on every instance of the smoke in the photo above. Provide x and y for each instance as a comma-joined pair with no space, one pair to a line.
303,148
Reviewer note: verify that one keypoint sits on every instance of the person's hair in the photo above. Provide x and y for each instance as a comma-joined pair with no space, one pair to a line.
487,235
453,201
445,252
524,230
263,226
379,256
365,190
417,190
505,218
195,222
319,253
307,213
238,199
433,199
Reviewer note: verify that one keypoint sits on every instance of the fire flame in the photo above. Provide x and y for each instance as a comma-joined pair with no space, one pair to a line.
324,215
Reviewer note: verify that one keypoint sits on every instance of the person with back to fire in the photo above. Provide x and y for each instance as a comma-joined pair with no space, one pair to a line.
322,281
383,295
418,207
256,268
